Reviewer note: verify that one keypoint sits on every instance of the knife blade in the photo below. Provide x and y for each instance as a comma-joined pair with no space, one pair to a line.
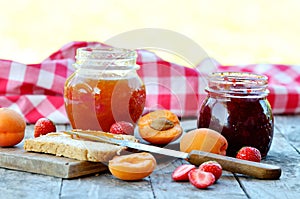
253,169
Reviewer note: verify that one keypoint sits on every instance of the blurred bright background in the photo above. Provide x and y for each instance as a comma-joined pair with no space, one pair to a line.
231,31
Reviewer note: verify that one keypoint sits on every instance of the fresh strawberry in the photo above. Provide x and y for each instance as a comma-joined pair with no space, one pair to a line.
122,127
213,167
43,126
201,179
249,153
181,172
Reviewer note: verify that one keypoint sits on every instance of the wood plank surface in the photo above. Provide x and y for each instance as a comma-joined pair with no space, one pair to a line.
289,127
284,152
15,184
165,187
106,186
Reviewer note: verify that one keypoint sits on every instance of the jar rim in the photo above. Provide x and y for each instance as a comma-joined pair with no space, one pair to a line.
108,58
238,75
238,84
105,53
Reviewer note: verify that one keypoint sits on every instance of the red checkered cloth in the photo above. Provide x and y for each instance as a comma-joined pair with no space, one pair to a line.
36,90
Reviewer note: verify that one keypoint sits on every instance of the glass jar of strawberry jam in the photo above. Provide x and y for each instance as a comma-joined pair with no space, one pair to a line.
105,88
237,107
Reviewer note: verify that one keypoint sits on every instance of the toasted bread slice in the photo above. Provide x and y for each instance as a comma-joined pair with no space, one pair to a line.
61,144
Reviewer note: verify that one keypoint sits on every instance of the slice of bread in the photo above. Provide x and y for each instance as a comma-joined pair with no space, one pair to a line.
61,144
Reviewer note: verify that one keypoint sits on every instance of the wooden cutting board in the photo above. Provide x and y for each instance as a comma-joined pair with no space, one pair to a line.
17,158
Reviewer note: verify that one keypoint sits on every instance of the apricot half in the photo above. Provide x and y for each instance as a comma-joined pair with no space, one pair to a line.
159,127
134,166
204,139
12,127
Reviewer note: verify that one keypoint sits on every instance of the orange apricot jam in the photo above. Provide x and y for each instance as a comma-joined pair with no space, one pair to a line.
97,96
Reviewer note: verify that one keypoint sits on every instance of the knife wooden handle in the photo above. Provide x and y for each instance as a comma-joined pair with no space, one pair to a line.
254,169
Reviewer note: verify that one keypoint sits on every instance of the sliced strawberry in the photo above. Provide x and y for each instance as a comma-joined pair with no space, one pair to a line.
201,179
43,126
122,127
213,167
249,153
181,172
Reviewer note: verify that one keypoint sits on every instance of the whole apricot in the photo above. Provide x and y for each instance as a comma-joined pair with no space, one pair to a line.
159,127
204,139
134,166
12,127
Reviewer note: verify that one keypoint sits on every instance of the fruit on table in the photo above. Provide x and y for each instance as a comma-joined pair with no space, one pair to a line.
207,174
159,127
43,126
181,172
204,139
122,127
249,153
134,166
213,167
201,179
12,127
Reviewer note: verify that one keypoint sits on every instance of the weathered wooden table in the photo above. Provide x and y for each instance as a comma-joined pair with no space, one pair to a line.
284,152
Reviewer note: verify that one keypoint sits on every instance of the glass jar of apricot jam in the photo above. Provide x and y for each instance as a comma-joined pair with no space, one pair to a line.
236,106
104,89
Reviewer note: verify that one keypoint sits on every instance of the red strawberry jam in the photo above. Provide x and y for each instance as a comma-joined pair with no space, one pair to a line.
237,107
